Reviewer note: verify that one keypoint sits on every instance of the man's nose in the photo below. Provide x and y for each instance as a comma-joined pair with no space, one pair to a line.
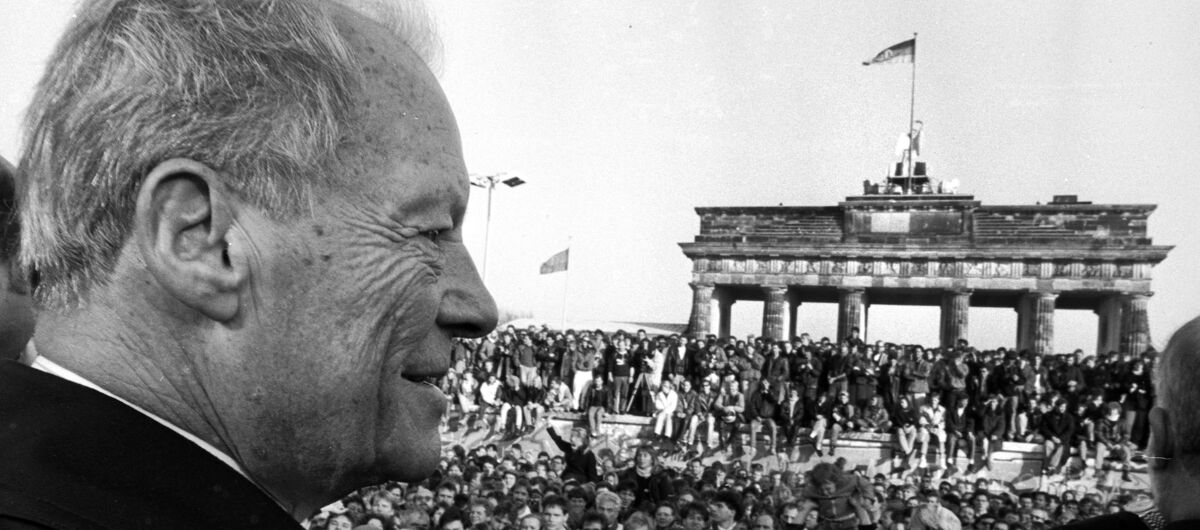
467,308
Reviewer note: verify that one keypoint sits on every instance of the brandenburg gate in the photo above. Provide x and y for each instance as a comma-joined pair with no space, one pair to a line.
929,249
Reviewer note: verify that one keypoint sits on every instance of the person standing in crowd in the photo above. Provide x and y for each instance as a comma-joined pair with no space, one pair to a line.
586,364
933,430
833,418
872,417
190,291
791,420
652,484
777,368
524,357
991,430
954,378
725,416
960,427
581,463
558,398
608,505
595,401
915,372
907,420
1011,381
805,373
761,411
666,400
841,500
864,378
837,370
513,398
1136,400
931,515
684,418
554,511
695,516
1057,430
664,516
701,414
677,365
1111,440
16,308
619,370
725,508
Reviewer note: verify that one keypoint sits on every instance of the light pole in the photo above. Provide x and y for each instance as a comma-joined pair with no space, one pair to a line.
489,182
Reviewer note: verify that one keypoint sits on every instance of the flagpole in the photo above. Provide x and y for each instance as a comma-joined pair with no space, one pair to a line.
912,105
566,282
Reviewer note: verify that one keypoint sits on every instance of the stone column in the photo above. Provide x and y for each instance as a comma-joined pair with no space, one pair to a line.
793,313
1024,322
1135,326
866,322
700,321
850,310
1108,330
956,306
725,303
1042,323
774,311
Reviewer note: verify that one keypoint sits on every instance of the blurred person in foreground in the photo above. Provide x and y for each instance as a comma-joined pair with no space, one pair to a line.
1173,451
243,221
16,310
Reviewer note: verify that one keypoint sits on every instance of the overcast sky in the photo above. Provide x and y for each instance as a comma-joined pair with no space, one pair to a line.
624,116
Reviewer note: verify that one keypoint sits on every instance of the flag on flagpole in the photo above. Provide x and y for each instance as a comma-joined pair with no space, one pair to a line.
905,52
557,262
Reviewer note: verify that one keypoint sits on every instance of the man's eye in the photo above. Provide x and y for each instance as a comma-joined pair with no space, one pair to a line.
432,235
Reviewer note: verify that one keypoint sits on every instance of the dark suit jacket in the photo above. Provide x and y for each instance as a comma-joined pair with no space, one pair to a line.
71,457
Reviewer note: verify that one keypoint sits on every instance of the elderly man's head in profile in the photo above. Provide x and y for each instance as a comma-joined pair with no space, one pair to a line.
245,217
1173,451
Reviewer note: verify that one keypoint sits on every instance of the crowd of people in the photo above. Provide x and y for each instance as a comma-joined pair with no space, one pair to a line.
709,394
493,489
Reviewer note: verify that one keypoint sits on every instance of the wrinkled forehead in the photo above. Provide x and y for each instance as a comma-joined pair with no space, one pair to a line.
405,128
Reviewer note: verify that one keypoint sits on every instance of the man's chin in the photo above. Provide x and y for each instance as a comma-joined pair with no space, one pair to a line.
411,455
410,447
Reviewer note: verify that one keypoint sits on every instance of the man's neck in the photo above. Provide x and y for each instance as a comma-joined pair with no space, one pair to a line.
115,357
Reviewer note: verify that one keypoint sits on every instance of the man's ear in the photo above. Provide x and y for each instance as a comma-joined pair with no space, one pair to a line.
1160,448
182,227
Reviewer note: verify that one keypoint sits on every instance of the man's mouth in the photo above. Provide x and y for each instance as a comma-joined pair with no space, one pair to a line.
428,378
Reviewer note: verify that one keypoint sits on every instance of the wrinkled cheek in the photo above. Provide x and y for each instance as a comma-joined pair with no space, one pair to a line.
395,298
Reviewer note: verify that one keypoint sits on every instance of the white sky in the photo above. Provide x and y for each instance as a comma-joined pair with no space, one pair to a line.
623,116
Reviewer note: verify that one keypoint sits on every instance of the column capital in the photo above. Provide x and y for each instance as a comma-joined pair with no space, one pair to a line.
851,290
1137,294
960,290
782,289
1042,295
702,285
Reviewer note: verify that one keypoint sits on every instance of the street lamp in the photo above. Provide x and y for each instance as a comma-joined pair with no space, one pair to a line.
489,182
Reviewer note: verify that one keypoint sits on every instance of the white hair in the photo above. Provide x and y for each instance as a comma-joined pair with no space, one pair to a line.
260,90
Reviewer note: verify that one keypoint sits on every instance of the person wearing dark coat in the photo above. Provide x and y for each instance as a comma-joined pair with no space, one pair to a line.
991,429
791,414
581,463
1057,430
653,482
761,406
960,427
